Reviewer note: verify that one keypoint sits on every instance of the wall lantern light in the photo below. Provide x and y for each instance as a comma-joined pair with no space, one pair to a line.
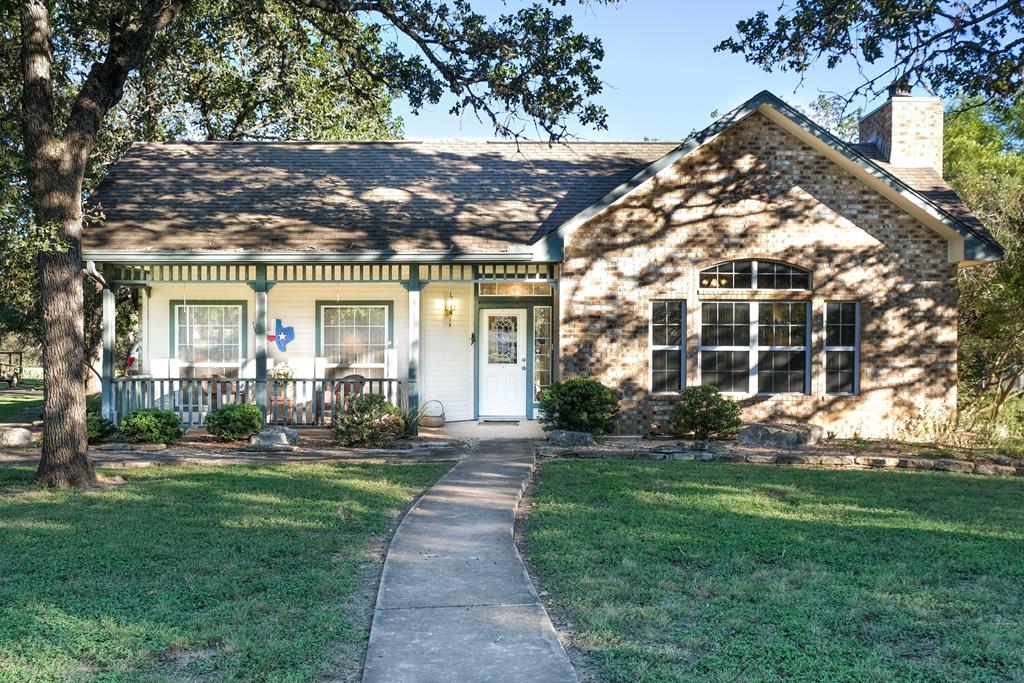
449,308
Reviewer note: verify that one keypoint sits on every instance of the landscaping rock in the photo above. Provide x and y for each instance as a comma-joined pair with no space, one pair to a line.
15,436
705,456
1006,460
839,460
275,436
917,463
764,459
945,465
729,456
798,459
680,455
563,437
780,435
876,461
996,470
667,448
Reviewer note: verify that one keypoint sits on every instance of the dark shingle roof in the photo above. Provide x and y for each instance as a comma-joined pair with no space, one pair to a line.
464,196
930,185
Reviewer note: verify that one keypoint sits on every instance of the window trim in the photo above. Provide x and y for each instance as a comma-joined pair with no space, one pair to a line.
753,349
652,347
243,337
533,348
389,332
855,348
753,277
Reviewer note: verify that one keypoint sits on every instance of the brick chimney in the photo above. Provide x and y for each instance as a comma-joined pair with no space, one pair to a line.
906,130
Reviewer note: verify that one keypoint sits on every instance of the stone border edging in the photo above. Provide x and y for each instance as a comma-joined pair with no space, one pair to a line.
862,462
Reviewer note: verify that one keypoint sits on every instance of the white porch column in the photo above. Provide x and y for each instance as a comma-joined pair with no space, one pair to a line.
107,362
260,326
414,286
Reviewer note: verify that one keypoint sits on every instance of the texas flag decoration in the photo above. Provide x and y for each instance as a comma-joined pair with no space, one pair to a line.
282,335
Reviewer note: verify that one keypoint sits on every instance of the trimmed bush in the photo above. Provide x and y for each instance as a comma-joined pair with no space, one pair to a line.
233,422
151,425
705,413
98,427
368,420
579,404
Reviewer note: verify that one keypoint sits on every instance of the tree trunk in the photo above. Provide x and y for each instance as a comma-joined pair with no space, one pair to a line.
64,462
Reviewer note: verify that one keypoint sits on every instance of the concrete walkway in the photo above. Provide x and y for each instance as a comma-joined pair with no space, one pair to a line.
455,602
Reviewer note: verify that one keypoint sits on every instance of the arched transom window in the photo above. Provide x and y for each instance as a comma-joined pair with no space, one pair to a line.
755,274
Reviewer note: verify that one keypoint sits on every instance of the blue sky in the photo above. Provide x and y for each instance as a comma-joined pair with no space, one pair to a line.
663,78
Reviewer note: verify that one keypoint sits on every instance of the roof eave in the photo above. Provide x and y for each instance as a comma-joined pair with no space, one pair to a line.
290,257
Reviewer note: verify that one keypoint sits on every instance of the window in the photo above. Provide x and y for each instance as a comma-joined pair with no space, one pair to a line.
668,332
772,334
725,345
355,338
781,348
541,349
752,274
208,338
515,289
842,347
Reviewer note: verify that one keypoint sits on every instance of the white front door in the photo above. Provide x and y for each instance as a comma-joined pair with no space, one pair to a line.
503,363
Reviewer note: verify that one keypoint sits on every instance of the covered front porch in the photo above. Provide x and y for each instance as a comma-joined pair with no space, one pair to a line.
298,335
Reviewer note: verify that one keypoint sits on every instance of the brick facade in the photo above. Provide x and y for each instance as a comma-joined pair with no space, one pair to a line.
758,192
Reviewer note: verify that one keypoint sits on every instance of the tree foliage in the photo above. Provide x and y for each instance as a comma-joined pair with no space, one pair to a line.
984,163
948,48
82,71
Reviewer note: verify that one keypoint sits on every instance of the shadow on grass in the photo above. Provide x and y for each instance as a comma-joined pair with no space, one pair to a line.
687,572
257,569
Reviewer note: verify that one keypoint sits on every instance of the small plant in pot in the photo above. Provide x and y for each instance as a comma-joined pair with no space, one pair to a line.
282,371
705,414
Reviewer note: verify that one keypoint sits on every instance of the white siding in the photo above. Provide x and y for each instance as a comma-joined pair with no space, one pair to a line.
446,357
295,304
158,359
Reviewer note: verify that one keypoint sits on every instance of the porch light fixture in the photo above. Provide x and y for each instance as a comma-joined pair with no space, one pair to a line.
449,308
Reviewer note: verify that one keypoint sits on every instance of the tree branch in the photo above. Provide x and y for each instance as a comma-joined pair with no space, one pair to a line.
104,85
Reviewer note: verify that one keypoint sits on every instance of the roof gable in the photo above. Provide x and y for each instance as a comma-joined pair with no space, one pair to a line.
929,199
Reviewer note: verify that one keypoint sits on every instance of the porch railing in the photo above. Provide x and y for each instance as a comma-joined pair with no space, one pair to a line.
290,402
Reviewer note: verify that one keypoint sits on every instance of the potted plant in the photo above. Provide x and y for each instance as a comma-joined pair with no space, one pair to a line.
281,402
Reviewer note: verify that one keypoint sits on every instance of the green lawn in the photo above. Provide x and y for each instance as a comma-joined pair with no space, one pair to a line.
233,573
13,403
682,571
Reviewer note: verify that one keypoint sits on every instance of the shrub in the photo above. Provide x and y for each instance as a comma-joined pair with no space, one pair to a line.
235,421
151,425
706,414
98,427
368,420
579,404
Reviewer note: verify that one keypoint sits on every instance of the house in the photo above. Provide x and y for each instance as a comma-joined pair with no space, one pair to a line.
810,278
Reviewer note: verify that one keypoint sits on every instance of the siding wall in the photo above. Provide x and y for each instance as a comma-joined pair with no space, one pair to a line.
446,359
294,304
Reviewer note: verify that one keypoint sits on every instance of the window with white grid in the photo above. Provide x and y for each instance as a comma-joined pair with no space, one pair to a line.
208,339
